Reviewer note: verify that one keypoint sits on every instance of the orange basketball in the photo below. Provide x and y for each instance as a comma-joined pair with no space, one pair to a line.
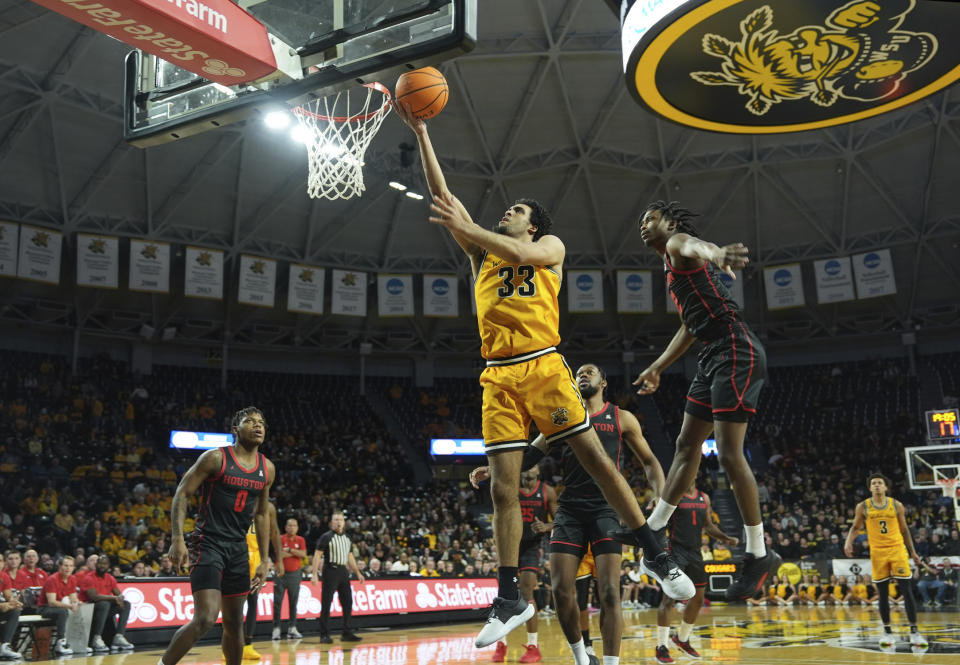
423,91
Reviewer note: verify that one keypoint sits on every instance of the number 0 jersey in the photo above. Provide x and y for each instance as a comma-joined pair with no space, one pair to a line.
883,527
228,499
517,308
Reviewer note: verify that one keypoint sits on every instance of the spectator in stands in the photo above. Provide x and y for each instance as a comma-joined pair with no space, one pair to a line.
101,589
58,599
720,551
402,564
429,568
930,581
449,570
10,606
166,567
140,569
374,569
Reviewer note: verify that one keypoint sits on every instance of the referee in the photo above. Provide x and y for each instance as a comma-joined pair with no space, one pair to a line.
334,560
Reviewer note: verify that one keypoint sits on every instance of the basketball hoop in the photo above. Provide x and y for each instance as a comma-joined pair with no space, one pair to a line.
338,139
948,486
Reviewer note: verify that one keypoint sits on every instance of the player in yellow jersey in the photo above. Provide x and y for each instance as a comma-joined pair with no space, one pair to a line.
887,533
517,271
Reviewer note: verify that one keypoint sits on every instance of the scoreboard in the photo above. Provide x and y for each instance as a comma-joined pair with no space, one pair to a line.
943,424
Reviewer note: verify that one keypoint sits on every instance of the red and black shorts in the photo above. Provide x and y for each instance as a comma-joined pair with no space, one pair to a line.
529,560
577,525
730,373
220,564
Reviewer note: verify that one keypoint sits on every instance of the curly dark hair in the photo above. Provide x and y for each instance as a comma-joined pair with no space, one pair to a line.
243,413
881,477
539,217
674,212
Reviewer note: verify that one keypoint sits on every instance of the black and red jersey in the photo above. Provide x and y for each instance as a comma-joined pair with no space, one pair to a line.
228,499
533,505
705,304
686,523
579,486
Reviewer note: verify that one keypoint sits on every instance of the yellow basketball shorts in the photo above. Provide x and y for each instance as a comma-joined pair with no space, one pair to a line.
541,389
887,562
587,567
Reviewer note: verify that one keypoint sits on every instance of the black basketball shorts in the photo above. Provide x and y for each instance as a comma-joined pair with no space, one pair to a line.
219,564
530,555
730,373
576,526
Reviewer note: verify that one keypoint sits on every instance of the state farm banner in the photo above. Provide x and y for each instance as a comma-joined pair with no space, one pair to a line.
784,286
834,280
169,602
584,291
634,291
39,258
258,281
349,293
305,289
395,295
734,286
9,246
440,297
149,266
203,276
874,273
98,260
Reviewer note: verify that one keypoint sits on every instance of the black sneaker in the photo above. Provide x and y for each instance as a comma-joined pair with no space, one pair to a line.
593,660
753,572
627,537
505,615
349,636
663,655
686,648
326,639
673,581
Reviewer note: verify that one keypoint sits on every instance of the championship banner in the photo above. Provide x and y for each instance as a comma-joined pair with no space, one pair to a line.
634,291
349,293
440,297
149,266
734,286
39,254
395,295
9,236
834,280
169,603
874,273
98,260
203,276
258,281
305,290
584,290
784,286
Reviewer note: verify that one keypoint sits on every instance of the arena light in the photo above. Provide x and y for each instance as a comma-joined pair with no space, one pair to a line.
301,134
199,440
397,185
277,119
414,195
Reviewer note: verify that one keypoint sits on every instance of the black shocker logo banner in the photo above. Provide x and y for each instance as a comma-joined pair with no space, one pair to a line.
770,66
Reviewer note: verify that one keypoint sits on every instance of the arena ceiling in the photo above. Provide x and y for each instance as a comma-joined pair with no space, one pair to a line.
538,109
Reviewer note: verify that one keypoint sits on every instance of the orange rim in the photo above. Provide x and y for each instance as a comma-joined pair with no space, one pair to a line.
379,87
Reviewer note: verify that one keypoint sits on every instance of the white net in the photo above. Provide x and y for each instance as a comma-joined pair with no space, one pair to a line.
340,130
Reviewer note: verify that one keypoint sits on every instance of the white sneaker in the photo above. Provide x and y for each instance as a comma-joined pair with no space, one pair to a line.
6,653
294,634
505,615
672,580
919,641
887,641
61,648
99,646
275,635
121,642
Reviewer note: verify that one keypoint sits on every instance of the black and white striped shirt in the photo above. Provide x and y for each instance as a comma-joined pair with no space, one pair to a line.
335,548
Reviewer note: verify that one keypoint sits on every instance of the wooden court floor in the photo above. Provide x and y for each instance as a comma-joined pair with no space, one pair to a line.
724,634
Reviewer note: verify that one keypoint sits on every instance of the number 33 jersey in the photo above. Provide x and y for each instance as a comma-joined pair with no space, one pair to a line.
228,499
517,308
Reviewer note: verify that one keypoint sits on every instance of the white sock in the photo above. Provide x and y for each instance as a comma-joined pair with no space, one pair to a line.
660,515
531,639
611,660
684,633
663,634
579,653
755,544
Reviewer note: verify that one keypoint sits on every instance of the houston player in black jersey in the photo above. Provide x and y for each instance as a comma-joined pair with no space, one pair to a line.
236,484
585,518
731,369
692,517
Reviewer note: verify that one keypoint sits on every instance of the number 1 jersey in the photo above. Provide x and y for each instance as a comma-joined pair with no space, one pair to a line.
227,500
517,308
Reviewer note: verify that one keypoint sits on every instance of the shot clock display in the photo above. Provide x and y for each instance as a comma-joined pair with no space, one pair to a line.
943,424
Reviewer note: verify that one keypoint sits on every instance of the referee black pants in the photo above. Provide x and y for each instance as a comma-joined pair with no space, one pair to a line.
336,579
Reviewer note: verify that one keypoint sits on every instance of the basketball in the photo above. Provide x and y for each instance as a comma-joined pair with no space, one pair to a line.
423,91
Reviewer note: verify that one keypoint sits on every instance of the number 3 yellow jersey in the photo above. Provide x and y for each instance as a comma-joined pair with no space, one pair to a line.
517,308
883,527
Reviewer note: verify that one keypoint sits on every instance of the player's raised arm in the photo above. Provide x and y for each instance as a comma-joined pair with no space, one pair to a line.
728,258
858,521
649,379
207,466
633,435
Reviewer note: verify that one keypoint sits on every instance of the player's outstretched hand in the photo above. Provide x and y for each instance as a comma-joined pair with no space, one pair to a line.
449,212
648,381
732,257
416,124
178,554
848,550
733,541
478,475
